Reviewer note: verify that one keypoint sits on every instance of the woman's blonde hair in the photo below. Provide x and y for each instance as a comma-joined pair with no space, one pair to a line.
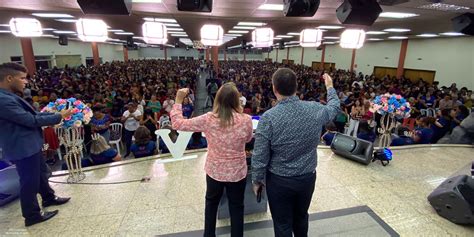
99,145
226,102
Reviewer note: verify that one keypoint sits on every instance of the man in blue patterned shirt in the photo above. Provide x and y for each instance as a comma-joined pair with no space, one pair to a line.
285,152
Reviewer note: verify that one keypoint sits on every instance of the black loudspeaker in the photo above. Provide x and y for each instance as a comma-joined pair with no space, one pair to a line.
300,7
464,23
281,45
392,2
130,42
352,148
358,12
195,5
243,44
454,199
63,40
106,7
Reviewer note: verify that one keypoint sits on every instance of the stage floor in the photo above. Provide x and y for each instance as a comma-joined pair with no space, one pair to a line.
173,200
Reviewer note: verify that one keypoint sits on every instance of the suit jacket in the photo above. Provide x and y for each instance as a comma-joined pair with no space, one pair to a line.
21,135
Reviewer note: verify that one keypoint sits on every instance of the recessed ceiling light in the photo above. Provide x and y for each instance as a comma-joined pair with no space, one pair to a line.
239,31
67,20
329,42
146,1
398,15
171,24
444,7
397,30
232,35
276,38
115,30
179,34
428,35
398,37
374,39
331,37
174,29
5,31
123,33
294,33
149,19
52,15
5,25
284,36
452,34
137,37
166,20
64,32
376,33
242,27
330,27
274,7
48,29
244,23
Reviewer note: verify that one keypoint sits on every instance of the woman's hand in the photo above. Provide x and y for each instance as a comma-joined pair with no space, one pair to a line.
181,94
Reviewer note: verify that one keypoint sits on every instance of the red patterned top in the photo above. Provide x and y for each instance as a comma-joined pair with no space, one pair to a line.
226,146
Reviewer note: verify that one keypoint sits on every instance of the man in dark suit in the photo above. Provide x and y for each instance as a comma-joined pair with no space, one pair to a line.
21,140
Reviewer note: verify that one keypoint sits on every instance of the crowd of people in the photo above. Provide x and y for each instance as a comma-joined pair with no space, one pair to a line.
140,95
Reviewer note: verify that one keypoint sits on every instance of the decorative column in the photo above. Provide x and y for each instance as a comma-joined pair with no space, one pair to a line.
323,56
166,52
125,54
28,55
95,53
401,59
302,55
287,55
353,59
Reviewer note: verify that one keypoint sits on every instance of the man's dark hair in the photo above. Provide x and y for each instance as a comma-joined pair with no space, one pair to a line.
11,69
284,80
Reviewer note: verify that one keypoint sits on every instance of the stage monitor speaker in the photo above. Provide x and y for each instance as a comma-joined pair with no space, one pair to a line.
358,12
130,42
464,23
281,45
243,44
63,40
195,5
106,7
300,7
454,199
352,148
392,2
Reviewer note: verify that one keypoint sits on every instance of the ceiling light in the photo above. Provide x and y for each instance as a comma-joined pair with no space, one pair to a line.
397,30
376,33
179,35
48,29
92,30
166,20
398,15
236,35
5,25
239,31
276,38
374,39
329,42
115,30
59,32
398,37
25,27
171,24
262,37
149,19
352,39
5,31
330,27
428,35
175,29
154,33
294,33
273,7
452,34
146,1
243,23
52,15
331,37
311,38
123,33
137,37
284,36
444,7
212,35
67,20
245,27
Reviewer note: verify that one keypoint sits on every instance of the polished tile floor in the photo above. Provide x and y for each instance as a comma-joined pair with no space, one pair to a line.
173,200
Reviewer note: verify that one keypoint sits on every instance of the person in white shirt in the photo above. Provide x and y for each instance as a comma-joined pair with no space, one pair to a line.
131,119
168,104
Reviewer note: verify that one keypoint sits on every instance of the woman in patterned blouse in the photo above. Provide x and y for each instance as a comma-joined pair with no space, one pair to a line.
227,130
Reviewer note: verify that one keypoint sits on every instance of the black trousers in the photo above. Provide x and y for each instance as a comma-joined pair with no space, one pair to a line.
128,135
33,179
235,194
289,199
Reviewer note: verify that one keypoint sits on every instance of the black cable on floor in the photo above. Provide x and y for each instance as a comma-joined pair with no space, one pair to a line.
142,180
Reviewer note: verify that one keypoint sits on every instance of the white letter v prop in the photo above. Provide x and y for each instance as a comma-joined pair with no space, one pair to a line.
176,149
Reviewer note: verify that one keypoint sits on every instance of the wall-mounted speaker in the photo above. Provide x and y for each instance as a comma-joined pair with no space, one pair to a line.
358,12
281,45
300,7
63,40
464,23
106,7
130,42
243,44
195,5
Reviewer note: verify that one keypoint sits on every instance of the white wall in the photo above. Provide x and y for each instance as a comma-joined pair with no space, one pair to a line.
383,54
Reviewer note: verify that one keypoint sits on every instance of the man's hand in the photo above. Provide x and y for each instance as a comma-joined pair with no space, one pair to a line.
181,94
256,187
327,80
66,113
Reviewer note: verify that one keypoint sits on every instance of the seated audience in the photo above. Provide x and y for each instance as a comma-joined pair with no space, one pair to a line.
328,136
143,145
197,141
366,132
